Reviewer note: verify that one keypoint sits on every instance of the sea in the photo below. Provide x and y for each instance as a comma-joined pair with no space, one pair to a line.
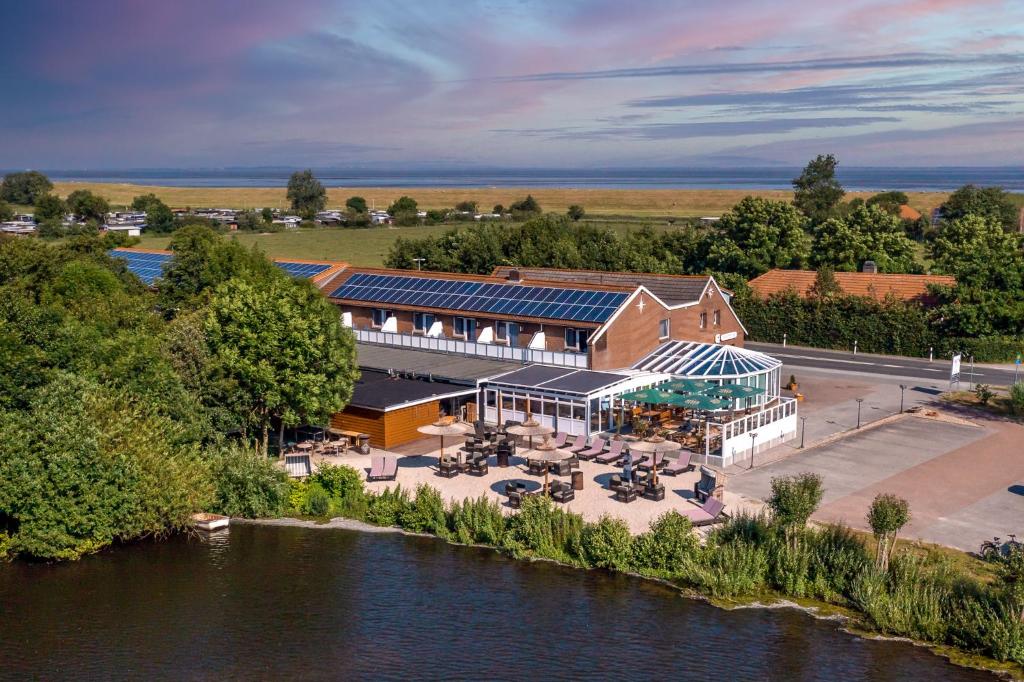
937,179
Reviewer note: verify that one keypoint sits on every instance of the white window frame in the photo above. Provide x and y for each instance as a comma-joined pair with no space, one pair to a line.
466,323
423,317
575,332
664,325
501,331
373,317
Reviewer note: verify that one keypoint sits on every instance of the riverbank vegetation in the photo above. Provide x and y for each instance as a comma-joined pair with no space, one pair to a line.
114,399
887,590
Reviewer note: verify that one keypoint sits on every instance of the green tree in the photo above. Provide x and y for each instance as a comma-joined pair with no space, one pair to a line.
247,484
817,192
890,202
992,203
887,516
576,212
403,204
793,500
758,235
267,215
281,343
466,206
525,209
6,212
88,206
50,207
25,187
498,209
868,233
356,204
249,221
159,217
306,193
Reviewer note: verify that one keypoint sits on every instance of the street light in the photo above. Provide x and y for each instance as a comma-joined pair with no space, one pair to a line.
803,431
419,262
859,401
903,387
753,440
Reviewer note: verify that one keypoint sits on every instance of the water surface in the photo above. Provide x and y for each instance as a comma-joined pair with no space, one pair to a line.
261,602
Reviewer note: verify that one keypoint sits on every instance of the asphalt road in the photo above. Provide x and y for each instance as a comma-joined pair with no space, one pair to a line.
936,371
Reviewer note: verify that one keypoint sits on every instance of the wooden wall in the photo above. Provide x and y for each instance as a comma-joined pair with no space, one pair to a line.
387,429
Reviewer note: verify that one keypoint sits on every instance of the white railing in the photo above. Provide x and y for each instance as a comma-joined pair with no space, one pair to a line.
771,425
471,348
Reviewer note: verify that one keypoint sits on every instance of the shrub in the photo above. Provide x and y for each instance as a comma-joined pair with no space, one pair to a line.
345,487
1017,399
984,393
985,626
247,484
838,556
426,513
906,600
668,548
318,501
731,570
296,495
477,521
541,528
793,500
607,544
386,507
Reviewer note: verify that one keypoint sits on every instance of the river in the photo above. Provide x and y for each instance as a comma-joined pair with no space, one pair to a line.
268,602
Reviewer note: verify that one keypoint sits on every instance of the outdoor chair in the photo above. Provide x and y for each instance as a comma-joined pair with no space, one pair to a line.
559,439
594,450
579,444
382,468
449,467
376,468
515,498
682,463
707,486
712,511
562,493
648,462
537,468
478,465
565,467
625,495
614,453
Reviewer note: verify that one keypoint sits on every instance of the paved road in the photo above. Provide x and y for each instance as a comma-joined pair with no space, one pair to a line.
936,372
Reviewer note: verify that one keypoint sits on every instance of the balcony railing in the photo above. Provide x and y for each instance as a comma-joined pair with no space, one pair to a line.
493,351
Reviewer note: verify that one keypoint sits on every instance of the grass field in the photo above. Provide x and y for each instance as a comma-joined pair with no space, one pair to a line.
650,203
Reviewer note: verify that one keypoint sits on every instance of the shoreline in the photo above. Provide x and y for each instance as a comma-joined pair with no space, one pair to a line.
817,610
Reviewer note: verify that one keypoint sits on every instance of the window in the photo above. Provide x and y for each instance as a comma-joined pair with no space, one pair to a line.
464,328
703,320
506,332
380,316
422,322
663,329
576,339
501,331
717,317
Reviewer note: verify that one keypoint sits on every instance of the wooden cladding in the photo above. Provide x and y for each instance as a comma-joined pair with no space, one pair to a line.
387,429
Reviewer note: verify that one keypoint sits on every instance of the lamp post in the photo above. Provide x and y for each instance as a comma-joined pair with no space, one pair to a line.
419,262
859,401
803,431
903,387
753,441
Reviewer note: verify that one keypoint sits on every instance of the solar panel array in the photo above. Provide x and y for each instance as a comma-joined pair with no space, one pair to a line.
304,270
147,266
578,305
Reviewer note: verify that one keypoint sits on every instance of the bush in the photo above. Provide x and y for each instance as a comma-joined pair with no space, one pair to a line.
386,507
344,485
984,393
731,570
247,484
837,556
426,514
477,521
668,548
907,600
607,544
1017,399
546,531
318,501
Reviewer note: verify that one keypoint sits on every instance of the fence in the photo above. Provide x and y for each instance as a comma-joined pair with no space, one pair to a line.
471,348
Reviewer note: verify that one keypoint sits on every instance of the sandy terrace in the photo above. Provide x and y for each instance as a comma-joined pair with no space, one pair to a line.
592,502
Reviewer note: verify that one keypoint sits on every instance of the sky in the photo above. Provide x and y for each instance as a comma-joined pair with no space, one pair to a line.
510,83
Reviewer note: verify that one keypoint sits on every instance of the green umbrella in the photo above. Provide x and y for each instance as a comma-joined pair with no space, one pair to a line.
734,391
703,402
651,396
686,385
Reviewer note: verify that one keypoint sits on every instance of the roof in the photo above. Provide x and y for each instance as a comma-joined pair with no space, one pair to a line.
146,264
562,380
706,360
908,213
317,271
672,289
381,391
476,294
454,368
874,284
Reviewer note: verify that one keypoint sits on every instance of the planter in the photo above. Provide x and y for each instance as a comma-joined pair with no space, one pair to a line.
210,522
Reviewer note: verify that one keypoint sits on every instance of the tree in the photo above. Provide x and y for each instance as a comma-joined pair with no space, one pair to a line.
986,202
25,187
887,516
267,215
888,201
50,207
404,211
306,193
466,206
159,217
868,233
249,221
817,192
498,209
575,212
88,206
356,204
758,235
525,208
825,284
281,343
6,212
793,500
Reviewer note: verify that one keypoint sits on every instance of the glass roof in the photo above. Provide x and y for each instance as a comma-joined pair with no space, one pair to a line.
706,361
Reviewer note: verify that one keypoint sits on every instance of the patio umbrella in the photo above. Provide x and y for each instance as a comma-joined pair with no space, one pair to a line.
734,391
651,396
686,385
547,452
445,427
703,402
530,428
656,445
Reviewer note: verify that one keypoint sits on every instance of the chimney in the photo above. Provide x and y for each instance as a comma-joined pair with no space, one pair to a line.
870,266
513,275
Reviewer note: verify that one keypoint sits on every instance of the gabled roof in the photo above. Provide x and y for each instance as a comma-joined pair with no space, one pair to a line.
671,289
908,213
872,284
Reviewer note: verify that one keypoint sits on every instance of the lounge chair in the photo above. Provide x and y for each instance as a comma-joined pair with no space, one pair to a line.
559,439
579,444
376,468
648,462
710,512
382,469
682,463
614,453
594,450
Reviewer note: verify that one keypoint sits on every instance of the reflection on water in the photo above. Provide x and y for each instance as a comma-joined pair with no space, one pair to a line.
296,603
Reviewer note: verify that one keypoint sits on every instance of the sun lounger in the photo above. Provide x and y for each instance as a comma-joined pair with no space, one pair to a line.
710,512
559,439
579,444
614,453
647,463
390,468
382,468
594,450
376,468
682,463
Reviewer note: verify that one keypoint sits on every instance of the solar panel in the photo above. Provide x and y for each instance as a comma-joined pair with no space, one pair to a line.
580,305
301,270
146,266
